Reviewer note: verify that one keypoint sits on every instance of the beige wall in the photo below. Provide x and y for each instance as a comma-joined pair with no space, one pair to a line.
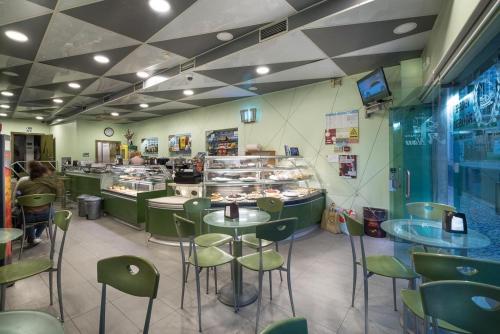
17,125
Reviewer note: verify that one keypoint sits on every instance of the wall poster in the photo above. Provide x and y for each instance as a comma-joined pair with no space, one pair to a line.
179,144
222,142
149,146
348,166
342,127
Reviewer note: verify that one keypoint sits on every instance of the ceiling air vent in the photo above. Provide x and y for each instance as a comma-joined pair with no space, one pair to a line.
273,30
187,65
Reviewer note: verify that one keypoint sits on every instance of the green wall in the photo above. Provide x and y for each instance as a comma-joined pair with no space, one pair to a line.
20,125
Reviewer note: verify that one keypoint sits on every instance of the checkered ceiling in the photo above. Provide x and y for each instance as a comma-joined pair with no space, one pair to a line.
324,39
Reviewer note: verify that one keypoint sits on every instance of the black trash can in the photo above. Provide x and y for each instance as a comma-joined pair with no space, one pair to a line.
93,206
82,206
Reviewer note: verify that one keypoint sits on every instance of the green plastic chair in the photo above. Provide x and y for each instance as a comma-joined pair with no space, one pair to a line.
35,201
129,274
439,267
195,210
382,265
204,258
33,322
23,269
273,206
288,326
270,259
473,307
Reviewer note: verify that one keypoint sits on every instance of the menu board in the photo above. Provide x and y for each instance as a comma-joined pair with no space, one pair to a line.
342,127
179,144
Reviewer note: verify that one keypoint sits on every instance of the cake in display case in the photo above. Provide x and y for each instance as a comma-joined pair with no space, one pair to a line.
130,180
244,179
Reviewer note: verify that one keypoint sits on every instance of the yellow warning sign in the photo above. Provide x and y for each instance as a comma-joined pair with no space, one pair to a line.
354,133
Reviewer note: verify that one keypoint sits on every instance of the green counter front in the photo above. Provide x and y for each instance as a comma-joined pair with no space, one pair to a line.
160,222
83,183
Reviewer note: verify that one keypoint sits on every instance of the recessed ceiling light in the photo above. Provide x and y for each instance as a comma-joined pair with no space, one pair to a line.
57,100
160,6
3,114
115,114
101,59
74,85
188,92
142,74
157,79
39,118
4,106
262,70
404,28
5,93
253,88
10,74
143,105
225,36
58,120
16,36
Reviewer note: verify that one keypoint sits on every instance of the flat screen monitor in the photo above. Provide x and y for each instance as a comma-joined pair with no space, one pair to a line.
373,87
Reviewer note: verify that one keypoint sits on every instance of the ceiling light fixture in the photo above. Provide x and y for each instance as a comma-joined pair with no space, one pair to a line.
101,59
58,120
4,106
225,36
262,70
3,114
142,74
74,85
115,114
143,105
252,88
160,6
5,93
188,92
57,100
10,74
157,79
16,36
405,28
39,118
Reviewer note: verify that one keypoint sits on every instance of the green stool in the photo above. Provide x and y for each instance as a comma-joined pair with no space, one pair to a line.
270,260
30,201
131,275
466,305
23,269
204,258
382,265
195,209
439,267
33,322
288,326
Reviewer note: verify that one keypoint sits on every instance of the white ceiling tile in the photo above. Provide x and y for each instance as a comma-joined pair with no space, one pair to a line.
181,82
42,74
7,61
17,10
138,98
66,4
228,91
174,105
207,16
33,94
105,85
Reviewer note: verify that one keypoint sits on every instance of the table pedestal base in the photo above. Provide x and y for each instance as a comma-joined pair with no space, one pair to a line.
247,296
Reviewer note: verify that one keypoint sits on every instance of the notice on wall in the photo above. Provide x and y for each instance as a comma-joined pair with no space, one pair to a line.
348,166
342,127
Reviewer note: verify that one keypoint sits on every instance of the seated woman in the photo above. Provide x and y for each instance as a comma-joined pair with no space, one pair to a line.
40,182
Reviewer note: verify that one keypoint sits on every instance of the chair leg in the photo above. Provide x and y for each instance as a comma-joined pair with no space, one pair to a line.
259,301
405,324
197,271
51,286
3,296
394,294
208,278
277,250
187,272
22,242
354,278
270,285
59,294
289,281
215,279
365,285
184,275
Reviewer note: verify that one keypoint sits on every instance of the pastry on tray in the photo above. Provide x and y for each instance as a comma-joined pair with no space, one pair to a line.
236,197
254,195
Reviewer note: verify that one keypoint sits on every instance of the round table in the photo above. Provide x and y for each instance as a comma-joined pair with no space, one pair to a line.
430,233
247,293
29,322
9,234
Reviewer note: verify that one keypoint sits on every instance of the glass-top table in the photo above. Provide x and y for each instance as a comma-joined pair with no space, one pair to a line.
247,293
9,234
430,233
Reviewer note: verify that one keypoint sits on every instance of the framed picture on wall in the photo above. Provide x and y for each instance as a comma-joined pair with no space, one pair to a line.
179,144
222,142
149,146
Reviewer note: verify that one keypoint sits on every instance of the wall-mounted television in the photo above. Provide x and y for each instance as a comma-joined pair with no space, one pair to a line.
373,87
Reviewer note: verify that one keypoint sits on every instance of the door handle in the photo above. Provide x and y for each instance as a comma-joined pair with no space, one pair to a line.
408,184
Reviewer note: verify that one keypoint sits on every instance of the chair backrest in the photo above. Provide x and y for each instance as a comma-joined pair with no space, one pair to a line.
132,275
438,267
36,200
471,306
62,218
428,210
271,205
195,209
276,230
287,326
185,228
356,229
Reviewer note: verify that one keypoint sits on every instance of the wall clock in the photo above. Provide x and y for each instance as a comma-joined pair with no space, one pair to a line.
109,132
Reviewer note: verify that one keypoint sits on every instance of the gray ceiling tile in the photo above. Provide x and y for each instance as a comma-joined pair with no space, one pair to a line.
48,103
86,63
130,18
209,102
338,40
46,3
178,94
22,72
129,77
358,64
301,4
234,75
135,107
268,87
62,87
195,45
167,111
33,28
11,99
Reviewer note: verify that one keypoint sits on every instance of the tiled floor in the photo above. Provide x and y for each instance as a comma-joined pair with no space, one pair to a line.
321,281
